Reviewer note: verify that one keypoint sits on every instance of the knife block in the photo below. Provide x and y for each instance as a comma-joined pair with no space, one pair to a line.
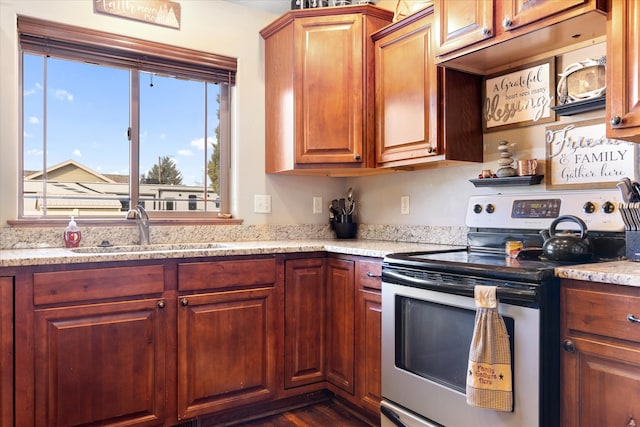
345,230
633,245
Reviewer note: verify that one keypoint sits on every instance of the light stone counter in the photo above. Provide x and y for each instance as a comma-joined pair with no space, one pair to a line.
615,272
370,248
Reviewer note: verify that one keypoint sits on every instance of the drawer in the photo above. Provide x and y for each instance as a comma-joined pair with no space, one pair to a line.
602,313
96,284
369,274
226,274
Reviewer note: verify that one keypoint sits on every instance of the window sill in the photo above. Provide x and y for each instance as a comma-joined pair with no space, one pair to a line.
98,222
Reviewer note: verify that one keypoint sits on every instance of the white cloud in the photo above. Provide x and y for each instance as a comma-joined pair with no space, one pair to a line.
34,120
185,152
163,136
27,135
77,152
199,143
63,94
34,152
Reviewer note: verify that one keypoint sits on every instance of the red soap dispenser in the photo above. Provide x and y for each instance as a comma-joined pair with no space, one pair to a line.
72,235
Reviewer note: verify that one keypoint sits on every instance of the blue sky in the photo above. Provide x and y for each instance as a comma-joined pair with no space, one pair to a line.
88,116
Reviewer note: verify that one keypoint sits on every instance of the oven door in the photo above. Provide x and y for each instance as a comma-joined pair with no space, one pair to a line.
426,337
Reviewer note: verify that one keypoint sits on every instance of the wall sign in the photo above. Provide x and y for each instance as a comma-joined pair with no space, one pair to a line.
579,155
521,97
160,12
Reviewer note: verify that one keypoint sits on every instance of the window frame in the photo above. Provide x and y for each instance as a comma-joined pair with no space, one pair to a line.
69,42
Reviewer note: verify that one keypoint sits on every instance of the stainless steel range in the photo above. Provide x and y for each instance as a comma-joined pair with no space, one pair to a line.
428,310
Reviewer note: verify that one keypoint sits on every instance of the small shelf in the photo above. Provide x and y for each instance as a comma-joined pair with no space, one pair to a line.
580,106
508,181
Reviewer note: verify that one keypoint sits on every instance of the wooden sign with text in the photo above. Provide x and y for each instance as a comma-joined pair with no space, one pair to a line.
158,12
521,97
579,155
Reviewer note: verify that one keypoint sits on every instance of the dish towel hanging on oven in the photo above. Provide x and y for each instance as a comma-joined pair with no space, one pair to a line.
489,383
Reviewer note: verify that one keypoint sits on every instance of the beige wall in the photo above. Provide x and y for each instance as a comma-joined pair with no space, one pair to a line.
437,196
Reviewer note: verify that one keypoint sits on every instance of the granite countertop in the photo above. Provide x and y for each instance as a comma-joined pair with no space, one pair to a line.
49,256
615,272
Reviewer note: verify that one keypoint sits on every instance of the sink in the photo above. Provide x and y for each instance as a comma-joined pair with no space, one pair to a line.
147,248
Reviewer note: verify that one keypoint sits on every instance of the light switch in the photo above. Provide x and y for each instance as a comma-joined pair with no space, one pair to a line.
317,205
404,205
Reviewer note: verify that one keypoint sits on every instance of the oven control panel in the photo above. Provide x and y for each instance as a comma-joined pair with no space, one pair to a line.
598,209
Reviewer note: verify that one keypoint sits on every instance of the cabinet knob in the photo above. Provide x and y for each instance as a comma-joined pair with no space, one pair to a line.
616,120
162,303
507,23
486,31
184,302
569,346
632,422
356,157
633,319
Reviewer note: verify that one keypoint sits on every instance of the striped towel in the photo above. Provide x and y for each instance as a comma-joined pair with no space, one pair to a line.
489,377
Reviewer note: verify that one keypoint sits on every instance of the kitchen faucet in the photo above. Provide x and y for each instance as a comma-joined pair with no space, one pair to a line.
142,220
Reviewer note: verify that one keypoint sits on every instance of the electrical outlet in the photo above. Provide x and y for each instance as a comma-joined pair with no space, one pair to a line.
317,205
404,205
262,203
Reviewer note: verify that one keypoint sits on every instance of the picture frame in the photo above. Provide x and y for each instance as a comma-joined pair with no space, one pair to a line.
165,13
580,156
519,97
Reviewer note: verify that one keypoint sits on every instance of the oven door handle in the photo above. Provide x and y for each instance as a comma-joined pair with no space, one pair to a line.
523,295
392,416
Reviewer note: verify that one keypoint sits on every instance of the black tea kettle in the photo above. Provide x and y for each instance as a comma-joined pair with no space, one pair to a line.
566,245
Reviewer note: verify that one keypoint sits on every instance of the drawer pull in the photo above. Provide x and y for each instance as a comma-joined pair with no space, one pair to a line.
162,303
632,422
633,319
184,302
370,274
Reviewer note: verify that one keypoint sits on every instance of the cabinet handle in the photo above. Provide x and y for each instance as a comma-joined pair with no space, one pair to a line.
632,422
370,274
616,120
569,346
486,31
184,302
507,22
162,303
633,319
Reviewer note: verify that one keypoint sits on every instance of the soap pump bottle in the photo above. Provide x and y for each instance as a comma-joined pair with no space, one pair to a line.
72,235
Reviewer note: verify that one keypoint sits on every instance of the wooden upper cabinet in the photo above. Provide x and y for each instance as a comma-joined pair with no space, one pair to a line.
423,115
512,14
406,92
318,89
623,71
462,23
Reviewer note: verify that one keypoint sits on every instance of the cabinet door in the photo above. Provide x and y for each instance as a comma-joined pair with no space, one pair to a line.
601,385
462,23
406,95
368,348
226,350
512,14
6,351
100,364
329,85
304,322
340,323
623,71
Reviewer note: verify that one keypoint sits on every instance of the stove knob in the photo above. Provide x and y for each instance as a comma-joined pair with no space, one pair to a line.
477,208
490,208
608,207
589,208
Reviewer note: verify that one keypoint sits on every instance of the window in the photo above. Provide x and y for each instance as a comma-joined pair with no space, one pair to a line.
110,122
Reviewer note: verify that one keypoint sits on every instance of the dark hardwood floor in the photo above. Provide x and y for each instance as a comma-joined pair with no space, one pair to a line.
329,414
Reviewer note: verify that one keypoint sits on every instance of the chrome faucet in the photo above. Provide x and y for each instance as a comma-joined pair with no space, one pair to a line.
142,220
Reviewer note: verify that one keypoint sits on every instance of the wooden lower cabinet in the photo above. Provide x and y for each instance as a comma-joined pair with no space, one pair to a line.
100,364
6,351
340,312
304,322
226,350
600,356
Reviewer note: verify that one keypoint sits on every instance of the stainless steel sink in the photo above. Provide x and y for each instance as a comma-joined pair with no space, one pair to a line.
148,248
